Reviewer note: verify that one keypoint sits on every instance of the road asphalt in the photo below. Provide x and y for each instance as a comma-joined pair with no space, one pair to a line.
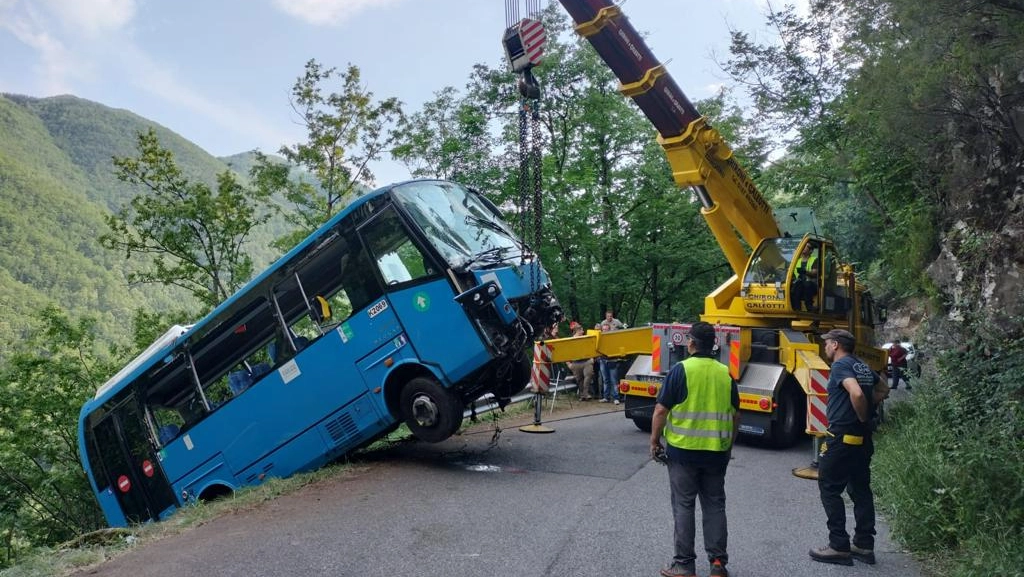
585,500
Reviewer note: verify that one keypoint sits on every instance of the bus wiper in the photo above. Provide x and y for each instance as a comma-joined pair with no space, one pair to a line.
488,224
490,256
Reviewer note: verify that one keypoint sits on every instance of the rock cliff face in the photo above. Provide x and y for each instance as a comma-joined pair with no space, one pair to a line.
980,267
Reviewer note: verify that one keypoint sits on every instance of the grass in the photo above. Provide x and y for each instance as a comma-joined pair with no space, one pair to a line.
107,544
948,472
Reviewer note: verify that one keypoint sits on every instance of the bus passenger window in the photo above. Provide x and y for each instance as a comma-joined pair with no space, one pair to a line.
397,257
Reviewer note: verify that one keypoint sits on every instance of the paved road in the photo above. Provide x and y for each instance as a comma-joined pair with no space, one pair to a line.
583,501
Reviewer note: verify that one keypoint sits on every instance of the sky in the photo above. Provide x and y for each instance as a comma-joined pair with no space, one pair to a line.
219,72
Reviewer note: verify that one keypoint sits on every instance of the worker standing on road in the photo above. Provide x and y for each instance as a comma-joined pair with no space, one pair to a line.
698,413
844,462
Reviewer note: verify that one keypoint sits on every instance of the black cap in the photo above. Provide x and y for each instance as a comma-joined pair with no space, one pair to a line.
704,334
841,336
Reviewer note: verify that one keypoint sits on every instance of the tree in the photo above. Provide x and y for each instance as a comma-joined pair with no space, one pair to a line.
346,131
611,213
45,497
450,139
194,235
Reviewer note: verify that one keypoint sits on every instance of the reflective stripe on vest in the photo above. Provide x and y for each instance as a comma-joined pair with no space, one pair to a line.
704,420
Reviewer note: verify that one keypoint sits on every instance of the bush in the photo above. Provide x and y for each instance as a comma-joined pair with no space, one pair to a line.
948,470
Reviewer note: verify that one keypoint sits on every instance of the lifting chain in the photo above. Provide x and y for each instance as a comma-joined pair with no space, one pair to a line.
538,213
529,205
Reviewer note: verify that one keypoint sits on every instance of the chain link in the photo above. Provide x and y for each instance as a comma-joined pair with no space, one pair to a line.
535,150
524,185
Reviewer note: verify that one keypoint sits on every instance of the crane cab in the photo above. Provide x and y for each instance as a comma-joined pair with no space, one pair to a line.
799,276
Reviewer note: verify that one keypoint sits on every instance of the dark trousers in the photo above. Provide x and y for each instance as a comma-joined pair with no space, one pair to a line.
847,467
897,374
689,482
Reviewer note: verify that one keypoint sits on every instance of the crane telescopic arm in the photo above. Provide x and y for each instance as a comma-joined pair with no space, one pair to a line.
699,157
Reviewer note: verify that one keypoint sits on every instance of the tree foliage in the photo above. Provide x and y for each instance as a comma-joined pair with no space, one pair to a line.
346,130
195,235
616,232
45,497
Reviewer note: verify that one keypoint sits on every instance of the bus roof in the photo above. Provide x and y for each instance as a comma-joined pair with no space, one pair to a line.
164,345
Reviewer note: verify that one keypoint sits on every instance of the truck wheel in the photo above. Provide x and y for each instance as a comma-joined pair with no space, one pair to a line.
432,412
643,423
790,423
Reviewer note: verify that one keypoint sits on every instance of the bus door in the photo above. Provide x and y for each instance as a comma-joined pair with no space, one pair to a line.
422,298
134,473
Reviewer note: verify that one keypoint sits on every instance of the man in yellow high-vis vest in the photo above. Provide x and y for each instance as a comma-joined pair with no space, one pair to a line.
698,414
804,289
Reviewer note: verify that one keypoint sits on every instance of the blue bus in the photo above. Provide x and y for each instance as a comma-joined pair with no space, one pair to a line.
412,302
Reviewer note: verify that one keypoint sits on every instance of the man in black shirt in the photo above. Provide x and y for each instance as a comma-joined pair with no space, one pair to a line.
845,459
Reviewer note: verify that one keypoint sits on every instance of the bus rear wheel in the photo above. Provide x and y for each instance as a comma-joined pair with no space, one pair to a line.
430,411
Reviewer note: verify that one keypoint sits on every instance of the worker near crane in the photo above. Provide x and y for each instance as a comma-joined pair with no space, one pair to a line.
697,411
844,461
805,285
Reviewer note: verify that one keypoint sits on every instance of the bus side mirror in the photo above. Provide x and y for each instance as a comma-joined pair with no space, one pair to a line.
883,314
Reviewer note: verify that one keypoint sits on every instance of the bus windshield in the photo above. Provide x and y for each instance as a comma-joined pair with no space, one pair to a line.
458,223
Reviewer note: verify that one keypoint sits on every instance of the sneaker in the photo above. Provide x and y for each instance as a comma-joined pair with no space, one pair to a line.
827,554
676,569
718,569
862,555
616,401
603,401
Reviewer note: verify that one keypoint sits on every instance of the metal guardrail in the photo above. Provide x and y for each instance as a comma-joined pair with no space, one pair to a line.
488,404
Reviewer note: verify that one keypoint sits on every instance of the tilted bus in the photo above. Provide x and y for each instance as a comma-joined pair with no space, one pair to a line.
413,301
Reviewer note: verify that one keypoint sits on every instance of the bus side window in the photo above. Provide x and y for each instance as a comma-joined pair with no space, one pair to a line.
397,257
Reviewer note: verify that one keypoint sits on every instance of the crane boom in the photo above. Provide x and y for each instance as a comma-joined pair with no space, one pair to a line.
696,152
785,288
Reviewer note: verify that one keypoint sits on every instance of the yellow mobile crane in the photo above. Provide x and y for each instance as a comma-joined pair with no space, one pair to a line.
779,299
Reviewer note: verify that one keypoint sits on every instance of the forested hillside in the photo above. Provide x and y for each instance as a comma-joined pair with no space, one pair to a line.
57,184
897,121
53,199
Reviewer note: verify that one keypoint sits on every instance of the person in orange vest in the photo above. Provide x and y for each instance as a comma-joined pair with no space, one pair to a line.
697,412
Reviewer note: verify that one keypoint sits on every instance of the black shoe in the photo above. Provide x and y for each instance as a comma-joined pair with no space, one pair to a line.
862,555
827,554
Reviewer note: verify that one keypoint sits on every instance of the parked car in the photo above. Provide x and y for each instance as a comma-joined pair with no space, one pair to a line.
913,361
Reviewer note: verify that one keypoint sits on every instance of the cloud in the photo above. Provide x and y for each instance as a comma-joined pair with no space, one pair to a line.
328,12
57,65
62,32
92,18
238,118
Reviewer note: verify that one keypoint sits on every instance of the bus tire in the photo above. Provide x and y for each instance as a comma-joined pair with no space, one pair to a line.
432,412
643,423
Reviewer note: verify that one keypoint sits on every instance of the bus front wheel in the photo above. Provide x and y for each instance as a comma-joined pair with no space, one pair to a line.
430,411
